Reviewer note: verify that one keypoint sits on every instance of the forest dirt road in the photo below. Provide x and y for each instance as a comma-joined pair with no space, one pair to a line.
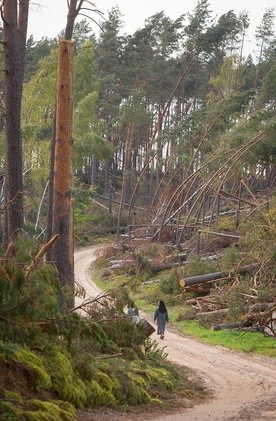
243,386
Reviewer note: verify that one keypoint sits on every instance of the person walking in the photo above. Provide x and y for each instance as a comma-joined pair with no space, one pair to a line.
133,312
161,317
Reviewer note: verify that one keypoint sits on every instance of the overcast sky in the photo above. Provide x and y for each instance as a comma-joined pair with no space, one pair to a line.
49,19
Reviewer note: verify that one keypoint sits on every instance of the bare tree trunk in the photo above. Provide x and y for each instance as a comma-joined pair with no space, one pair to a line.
5,217
73,11
126,186
15,22
126,182
62,215
51,189
63,252
40,204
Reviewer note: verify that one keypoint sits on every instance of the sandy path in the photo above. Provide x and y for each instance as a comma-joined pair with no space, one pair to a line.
244,386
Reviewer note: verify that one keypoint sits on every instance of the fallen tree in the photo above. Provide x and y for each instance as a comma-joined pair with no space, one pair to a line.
198,279
233,325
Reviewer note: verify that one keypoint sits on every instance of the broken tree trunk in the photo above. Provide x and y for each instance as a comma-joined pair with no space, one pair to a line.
62,205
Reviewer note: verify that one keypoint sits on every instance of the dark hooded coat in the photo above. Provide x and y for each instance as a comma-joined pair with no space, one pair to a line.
161,317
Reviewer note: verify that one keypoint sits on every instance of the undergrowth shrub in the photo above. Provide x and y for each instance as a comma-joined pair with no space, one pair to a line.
154,352
134,383
9,412
42,379
266,293
238,304
39,410
259,243
30,370
75,328
26,249
91,222
230,257
65,381
226,223
123,332
99,396
197,266
51,353
169,283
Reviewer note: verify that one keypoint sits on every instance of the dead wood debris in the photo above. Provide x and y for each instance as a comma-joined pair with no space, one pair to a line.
213,309
209,292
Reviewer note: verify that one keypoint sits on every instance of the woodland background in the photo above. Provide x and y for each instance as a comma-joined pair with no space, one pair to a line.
173,160
165,120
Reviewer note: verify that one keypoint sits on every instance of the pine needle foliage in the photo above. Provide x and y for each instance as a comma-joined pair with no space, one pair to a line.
54,362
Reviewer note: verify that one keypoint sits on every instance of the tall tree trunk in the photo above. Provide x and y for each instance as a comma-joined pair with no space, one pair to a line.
126,181
94,165
73,11
127,172
15,22
51,190
62,215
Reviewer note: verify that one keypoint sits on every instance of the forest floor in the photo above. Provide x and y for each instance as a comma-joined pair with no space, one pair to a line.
243,386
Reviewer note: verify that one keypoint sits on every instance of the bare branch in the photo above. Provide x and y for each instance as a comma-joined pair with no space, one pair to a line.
78,8
103,357
93,10
93,20
10,201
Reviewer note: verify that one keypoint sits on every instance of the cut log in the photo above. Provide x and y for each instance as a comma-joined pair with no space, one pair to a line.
220,312
209,318
261,307
192,280
198,279
153,281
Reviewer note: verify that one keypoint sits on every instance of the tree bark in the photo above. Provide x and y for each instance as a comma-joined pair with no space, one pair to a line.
198,279
62,215
15,22
50,215
73,11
